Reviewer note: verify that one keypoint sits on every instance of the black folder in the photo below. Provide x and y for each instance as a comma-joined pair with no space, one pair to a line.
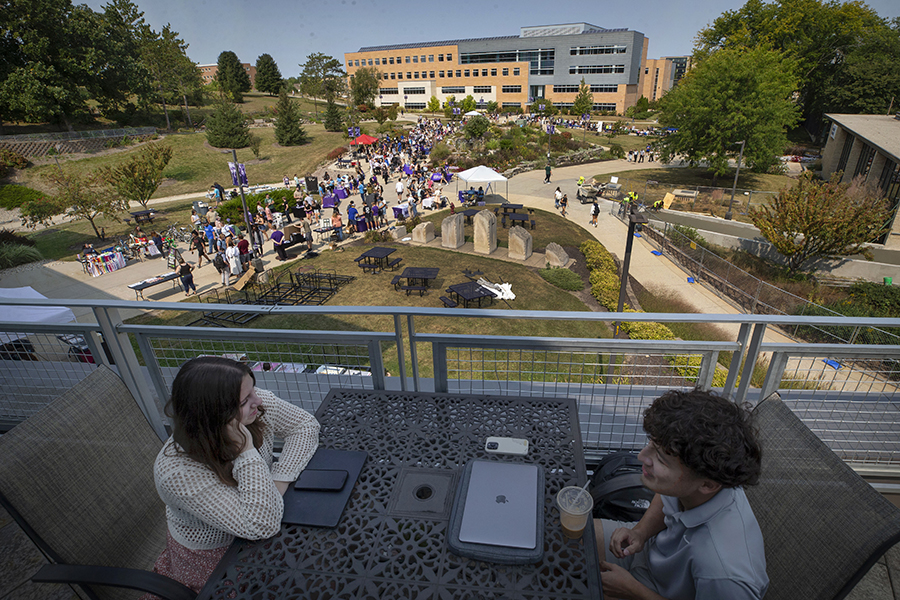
324,508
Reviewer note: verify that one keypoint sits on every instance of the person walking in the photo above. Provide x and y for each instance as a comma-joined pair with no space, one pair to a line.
198,245
307,233
221,266
557,197
563,204
595,212
187,278
547,171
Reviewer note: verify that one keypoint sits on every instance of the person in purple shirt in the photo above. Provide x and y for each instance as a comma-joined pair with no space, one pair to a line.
277,238
699,539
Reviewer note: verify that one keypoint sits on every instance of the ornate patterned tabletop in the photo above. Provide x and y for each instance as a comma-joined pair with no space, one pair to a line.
391,542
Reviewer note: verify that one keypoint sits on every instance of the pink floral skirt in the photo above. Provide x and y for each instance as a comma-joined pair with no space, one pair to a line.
190,567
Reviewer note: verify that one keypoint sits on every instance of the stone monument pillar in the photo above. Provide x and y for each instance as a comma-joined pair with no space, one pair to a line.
556,256
423,233
453,231
485,232
519,243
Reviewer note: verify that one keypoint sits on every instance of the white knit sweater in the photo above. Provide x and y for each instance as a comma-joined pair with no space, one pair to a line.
204,513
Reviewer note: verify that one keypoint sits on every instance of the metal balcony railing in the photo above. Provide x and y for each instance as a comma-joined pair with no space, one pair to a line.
846,393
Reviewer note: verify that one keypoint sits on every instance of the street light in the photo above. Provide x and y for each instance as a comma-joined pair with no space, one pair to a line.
634,219
728,214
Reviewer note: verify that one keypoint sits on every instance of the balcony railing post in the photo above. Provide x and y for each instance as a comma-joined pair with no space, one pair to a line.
439,358
128,366
376,363
752,355
411,331
153,368
735,366
401,357
707,370
774,375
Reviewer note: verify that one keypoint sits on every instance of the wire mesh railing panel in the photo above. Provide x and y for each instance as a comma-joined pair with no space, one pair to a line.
612,389
35,368
852,406
302,374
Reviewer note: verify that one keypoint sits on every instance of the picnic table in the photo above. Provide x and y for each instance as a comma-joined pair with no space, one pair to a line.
140,286
375,258
517,217
513,207
470,291
470,214
143,216
419,275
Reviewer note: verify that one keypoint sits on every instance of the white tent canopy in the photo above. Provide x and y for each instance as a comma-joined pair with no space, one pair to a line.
482,174
473,113
30,314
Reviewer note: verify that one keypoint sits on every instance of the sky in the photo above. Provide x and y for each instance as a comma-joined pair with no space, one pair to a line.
290,30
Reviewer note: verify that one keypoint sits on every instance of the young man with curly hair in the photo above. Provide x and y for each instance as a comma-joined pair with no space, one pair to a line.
699,539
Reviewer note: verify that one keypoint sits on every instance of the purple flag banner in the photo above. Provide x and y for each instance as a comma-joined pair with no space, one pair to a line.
243,174
234,175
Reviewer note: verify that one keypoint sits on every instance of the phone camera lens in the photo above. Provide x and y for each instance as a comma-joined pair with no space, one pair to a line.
493,445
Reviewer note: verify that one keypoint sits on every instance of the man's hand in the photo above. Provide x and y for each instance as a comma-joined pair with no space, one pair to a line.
625,542
617,582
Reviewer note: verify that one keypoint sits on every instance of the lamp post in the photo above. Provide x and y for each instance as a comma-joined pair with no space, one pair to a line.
737,172
634,219
585,119
244,206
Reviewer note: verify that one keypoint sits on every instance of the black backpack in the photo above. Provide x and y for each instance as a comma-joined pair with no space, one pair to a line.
219,262
617,490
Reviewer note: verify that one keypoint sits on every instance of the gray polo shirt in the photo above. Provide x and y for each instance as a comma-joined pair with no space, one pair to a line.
711,552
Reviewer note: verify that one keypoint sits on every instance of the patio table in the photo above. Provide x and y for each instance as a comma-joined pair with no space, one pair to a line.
391,541
517,217
419,275
470,214
140,286
377,256
511,207
470,291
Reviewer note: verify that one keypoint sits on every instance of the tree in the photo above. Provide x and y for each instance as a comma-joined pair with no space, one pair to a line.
476,128
434,105
823,220
172,74
268,77
288,131
492,107
364,86
226,127
733,95
140,175
820,35
614,129
232,77
584,101
322,77
467,104
82,197
333,119
548,110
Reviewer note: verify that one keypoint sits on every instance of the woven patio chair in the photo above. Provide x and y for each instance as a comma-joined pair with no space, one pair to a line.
822,524
78,479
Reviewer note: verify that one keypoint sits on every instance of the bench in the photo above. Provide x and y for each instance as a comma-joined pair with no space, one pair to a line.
448,302
414,288
503,221
396,282
532,223
365,266
395,263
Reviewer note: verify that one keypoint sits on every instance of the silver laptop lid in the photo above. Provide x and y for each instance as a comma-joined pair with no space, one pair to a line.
501,505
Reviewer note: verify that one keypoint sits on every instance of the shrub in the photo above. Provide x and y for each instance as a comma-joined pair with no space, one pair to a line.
11,160
597,256
374,236
617,151
7,236
14,196
691,234
647,331
562,278
12,255
336,153
605,288
231,209
440,153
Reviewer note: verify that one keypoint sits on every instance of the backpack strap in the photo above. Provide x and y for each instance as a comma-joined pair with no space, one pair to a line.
615,484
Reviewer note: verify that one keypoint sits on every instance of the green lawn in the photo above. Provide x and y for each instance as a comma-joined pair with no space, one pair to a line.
714,197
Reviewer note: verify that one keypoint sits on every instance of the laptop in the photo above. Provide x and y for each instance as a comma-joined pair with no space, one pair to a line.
501,505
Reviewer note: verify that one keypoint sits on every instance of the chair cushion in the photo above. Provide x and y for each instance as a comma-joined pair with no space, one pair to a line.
822,524
80,474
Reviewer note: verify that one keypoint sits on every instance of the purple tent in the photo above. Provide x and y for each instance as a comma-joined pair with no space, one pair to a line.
340,193
407,169
437,176
328,201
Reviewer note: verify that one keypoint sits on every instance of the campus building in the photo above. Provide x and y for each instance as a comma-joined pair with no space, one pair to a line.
208,73
867,146
662,74
547,61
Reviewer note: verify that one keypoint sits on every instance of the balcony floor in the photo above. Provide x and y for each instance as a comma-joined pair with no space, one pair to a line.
19,559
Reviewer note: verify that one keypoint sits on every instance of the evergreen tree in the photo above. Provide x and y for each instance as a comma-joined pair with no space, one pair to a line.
333,119
232,77
268,77
226,127
288,131
584,101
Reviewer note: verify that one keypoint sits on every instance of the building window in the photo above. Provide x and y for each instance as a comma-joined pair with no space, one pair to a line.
416,75
608,106
384,75
414,90
467,72
459,73
604,89
865,161
481,89
423,58
391,59
415,59
370,62
400,75
512,105
415,105
516,72
511,89
587,50
357,63
431,74
409,74
506,72
440,73
449,58
564,89
377,61
407,60
449,89
593,69
440,58
393,75
493,72
431,58
389,91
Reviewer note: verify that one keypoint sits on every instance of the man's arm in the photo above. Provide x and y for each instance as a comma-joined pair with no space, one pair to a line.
625,542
